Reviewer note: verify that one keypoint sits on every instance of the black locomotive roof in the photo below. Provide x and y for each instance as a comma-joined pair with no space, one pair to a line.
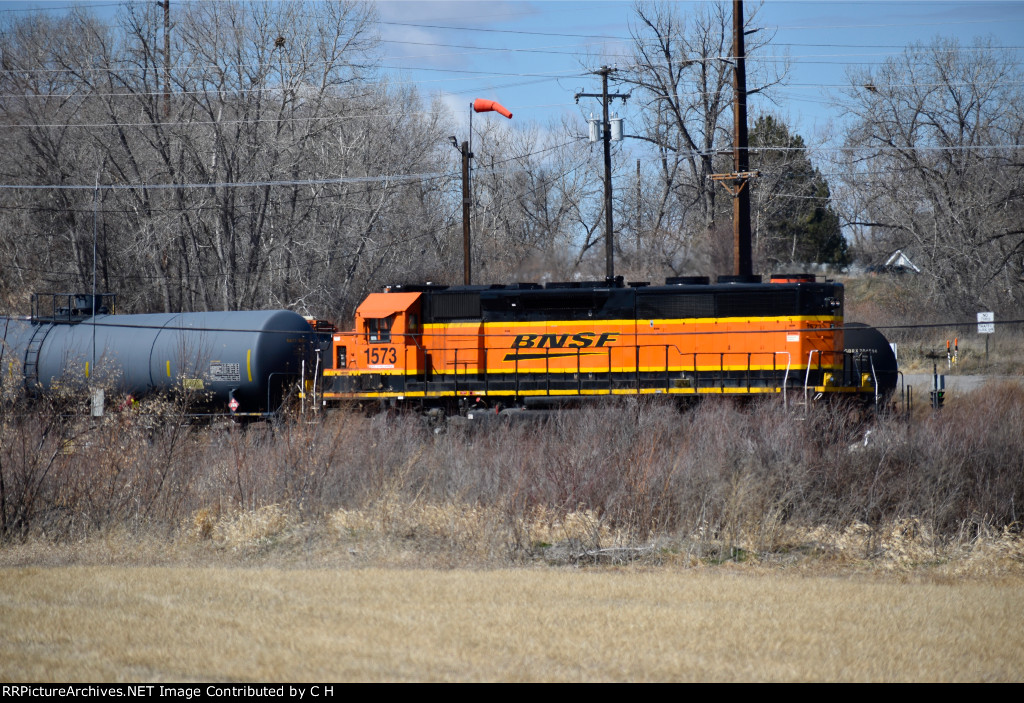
530,302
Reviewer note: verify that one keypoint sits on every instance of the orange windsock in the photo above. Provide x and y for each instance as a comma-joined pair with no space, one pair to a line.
481,105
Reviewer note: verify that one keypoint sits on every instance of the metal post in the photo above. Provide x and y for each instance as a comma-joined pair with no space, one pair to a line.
95,217
466,201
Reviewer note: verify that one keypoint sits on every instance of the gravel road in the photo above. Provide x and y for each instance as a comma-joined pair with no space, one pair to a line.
923,382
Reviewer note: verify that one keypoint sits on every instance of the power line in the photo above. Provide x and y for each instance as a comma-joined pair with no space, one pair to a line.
280,203
102,321
504,31
256,90
292,182
451,174
60,8
405,113
234,184
900,25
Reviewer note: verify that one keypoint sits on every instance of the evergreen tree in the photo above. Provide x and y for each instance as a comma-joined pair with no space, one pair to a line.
793,219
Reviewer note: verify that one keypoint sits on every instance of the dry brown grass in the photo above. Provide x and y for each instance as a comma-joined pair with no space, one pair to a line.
640,480
431,536
732,624
731,542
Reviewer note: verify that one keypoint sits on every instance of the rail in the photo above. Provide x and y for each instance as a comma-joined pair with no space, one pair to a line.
683,364
71,308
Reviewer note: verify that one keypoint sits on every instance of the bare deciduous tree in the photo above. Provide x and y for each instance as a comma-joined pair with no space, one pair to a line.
537,202
934,162
681,73
279,172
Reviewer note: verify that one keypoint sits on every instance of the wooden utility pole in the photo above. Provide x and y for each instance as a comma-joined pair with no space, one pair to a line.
737,181
743,264
639,213
606,129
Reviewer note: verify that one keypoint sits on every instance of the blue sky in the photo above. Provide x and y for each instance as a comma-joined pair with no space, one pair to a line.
533,56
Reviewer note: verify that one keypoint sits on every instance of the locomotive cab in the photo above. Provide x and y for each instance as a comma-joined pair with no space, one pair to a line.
384,347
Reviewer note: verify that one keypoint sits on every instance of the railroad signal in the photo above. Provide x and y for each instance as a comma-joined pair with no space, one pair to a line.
938,393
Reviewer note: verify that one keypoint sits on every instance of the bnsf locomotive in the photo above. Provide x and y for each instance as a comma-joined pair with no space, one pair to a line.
508,344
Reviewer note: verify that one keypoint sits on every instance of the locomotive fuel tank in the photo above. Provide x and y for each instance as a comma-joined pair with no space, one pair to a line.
245,355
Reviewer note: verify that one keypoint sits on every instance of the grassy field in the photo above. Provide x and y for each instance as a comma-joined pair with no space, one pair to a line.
735,623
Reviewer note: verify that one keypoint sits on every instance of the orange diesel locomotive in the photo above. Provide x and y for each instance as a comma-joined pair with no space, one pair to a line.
509,343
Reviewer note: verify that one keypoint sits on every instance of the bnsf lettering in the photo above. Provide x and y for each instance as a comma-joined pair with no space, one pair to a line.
552,341
582,340
523,341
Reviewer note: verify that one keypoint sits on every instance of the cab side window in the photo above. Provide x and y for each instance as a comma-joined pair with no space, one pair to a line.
379,329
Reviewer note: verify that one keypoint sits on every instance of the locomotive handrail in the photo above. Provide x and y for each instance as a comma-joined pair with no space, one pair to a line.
455,363
785,379
667,380
316,375
551,385
636,364
611,382
579,374
874,379
661,368
807,376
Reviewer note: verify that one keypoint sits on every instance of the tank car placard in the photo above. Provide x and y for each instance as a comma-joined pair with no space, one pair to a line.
220,371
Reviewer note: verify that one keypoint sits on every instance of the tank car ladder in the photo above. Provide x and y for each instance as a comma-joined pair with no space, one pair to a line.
30,366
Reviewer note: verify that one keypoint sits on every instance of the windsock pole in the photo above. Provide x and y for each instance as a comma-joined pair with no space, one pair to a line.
478,105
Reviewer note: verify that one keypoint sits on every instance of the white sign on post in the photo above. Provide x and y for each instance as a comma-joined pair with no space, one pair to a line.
986,323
